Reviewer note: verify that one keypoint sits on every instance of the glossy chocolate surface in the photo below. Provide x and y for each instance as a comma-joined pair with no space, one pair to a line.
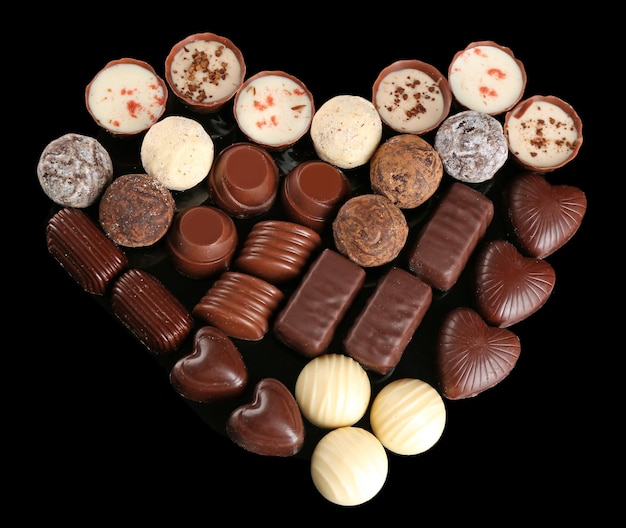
270,424
308,322
214,370
380,333
449,237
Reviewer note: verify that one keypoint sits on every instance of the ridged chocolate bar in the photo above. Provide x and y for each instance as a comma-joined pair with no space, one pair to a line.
380,333
308,322
447,240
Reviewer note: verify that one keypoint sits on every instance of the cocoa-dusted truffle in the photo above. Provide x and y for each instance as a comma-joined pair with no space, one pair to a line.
136,210
406,169
472,146
543,133
370,230
74,170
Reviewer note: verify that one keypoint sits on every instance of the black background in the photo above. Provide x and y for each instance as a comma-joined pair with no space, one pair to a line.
106,430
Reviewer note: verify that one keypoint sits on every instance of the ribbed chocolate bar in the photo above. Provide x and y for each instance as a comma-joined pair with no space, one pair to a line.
380,333
447,240
308,322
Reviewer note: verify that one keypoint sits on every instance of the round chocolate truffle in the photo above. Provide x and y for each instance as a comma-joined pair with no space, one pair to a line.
406,169
472,146
244,180
126,97
370,230
136,210
312,193
346,130
204,71
74,170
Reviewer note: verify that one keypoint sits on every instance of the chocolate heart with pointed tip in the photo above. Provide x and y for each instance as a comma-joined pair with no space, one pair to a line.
544,216
271,424
214,370
473,356
509,285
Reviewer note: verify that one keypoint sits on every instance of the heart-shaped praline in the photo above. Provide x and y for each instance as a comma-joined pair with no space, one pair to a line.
271,424
544,216
509,285
473,356
214,370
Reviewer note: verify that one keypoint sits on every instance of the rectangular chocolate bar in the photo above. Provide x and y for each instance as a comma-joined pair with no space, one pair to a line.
447,240
382,330
308,322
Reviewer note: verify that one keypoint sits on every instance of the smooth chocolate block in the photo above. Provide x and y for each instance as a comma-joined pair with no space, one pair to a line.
243,180
473,356
240,305
271,424
382,330
150,311
308,322
83,250
277,251
510,286
544,216
449,237
214,370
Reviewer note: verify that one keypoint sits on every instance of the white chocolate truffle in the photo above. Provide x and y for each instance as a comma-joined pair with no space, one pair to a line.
74,170
333,390
349,466
178,152
408,416
346,130
487,77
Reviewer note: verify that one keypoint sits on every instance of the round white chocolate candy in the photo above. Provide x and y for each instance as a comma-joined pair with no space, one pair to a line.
346,130
178,152
333,390
349,466
408,416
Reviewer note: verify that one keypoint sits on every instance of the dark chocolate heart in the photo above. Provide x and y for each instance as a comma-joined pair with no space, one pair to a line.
544,216
215,369
473,356
509,285
271,424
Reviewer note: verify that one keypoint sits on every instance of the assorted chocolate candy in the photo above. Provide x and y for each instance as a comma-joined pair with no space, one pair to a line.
281,267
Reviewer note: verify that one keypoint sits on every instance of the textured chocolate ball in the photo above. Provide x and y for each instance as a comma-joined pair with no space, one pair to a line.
406,169
136,210
74,170
370,230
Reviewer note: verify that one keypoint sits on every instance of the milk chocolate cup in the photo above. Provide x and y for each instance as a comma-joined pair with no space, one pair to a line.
543,133
122,105
412,96
312,193
205,71
243,180
273,109
202,241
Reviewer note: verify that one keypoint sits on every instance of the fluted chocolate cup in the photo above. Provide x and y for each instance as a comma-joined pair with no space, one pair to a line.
202,241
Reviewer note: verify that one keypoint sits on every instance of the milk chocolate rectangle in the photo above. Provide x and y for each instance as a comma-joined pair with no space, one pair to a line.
308,322
447,240
382,330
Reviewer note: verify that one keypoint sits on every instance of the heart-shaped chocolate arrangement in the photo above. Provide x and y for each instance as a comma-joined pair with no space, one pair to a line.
471,355
509,285
543,216
215,369
271,424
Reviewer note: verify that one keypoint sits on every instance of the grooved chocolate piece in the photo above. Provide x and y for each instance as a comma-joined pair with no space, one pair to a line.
83,250
240,305
379,335
150,311
308,322
447,240
277,251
